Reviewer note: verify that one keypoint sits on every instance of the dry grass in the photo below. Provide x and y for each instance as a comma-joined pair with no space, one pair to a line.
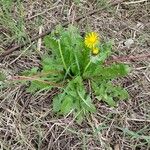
27,121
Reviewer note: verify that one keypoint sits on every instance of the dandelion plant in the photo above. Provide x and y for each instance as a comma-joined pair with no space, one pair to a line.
73,61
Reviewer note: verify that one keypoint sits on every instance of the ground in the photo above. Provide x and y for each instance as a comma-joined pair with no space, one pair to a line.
27,121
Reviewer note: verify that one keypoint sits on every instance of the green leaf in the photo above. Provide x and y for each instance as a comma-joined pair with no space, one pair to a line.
80,116
105,51
51,44
109,100
107,72
56,103
91,107
49,63
37,85
98,89
84,101
116,91
31,72
66,105
109,93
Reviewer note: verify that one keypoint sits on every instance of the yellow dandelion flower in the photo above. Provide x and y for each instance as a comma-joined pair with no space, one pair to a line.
91,39
95,50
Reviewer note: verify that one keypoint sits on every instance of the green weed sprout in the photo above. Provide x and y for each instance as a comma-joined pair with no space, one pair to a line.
72,62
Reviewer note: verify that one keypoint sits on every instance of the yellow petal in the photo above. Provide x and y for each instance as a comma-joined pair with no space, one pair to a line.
91,39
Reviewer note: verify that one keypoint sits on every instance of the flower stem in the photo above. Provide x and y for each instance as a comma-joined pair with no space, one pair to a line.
34,78
62,58
87,65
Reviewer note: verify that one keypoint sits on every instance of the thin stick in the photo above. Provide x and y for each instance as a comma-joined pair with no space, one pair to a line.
39,43
41,13
138,120
20,55
36,79
48,73
128,58
134,2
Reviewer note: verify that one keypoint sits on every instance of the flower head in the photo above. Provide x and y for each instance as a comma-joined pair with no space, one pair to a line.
91,39
95,50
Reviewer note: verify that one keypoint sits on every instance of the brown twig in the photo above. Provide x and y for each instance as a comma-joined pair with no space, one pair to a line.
36,79
128,58
48,73
135,2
